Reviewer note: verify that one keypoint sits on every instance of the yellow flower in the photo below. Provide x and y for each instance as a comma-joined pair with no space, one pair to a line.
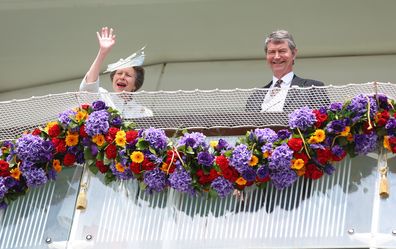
253,161
213,143
50,124
313,140
81,115
71,139
320,135
297,164
241,181
137,157
120,138
119,167
386,143
15,173
98,139
56,165
346,131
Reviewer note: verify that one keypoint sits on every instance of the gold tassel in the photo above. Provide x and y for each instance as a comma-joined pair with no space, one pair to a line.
384,184
82,197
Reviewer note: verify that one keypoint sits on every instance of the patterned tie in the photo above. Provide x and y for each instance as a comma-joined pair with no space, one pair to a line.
276,87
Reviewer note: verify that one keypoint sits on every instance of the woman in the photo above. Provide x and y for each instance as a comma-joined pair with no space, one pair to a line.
126,76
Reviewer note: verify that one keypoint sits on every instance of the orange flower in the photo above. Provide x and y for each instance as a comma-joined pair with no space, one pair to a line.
313,140
119,167
346,131
15,173
266,154
56,165
241,181
98,139
121,138
386,143
320,135
137,157
297,164
71,139
253,161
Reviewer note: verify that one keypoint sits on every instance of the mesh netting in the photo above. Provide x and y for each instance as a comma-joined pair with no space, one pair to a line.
185,109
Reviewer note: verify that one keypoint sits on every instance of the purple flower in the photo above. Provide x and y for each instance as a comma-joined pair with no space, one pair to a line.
194,140
283,134
391,126
335,107
3,188
205,158
116,121
155,180
302,118
222,186
365,143
267,147
222,144
383,102
35,177
263,135
280,158
98,105
240,158
156,138
97,123
336,126
249,174
52,174
283,179
263,172
337,150
65,117
329,169
34,149
126,175
359,104
181,181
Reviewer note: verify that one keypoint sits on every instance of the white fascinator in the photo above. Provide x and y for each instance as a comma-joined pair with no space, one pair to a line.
135,59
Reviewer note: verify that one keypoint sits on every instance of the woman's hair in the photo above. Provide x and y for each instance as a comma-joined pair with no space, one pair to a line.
139,72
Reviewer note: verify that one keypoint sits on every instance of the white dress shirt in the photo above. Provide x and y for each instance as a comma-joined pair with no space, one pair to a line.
275,100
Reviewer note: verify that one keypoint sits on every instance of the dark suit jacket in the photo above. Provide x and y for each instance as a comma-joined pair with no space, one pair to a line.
295,99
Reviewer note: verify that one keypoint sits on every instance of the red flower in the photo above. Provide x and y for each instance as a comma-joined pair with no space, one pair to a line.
4,168
204,178
147,164
54,131
338,158
295,144
113,132
320,118
111,151
135,168
131,136
83,133
382,118
85,106
366,129
324,155
312,172
230,173
60,145
222,161
69,159
101,167
36,132
301,156
265,179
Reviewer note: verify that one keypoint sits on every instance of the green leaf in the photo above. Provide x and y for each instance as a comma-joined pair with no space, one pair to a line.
142,144
91,164
109,178
88,154
142,186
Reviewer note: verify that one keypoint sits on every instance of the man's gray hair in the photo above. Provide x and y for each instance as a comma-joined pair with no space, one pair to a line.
280,36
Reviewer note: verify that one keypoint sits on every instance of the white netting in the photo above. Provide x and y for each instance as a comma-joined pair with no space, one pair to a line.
185,109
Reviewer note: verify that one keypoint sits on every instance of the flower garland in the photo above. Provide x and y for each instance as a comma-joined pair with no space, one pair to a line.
97,136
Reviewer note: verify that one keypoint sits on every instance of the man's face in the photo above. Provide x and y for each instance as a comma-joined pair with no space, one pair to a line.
280,58
124,80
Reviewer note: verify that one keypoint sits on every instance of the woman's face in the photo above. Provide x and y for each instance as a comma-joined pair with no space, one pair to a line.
124,80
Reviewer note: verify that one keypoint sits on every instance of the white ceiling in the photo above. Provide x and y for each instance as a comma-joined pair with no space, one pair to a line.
47,41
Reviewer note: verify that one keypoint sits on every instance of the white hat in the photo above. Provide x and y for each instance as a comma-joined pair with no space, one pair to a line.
136,59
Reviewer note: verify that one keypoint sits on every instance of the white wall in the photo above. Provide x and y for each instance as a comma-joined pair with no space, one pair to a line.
240,74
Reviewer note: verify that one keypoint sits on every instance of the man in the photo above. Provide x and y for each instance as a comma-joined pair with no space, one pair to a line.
281,53
282,96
